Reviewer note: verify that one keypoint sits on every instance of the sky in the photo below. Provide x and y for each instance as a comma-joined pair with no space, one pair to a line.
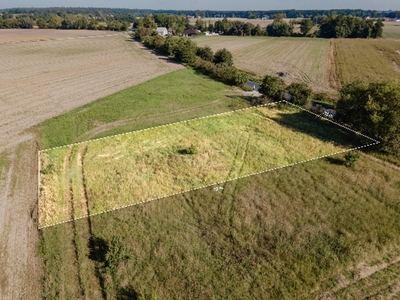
211,4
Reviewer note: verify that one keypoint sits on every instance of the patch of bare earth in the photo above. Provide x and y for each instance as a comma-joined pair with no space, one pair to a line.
48,74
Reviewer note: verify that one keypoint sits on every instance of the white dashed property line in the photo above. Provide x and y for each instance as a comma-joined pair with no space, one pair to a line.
330,120
160,126
216,183
209,185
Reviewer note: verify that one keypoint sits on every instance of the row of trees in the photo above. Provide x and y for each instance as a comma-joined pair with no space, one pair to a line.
290,13
218,65
337,26
64,21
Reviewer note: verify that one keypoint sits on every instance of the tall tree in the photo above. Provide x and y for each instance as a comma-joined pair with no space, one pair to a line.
305,26
374,109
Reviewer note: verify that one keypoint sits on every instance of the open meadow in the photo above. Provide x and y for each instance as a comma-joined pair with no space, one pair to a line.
107,174
294,59
317,230
370,59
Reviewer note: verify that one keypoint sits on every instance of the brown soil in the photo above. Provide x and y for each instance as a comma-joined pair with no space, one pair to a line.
50,73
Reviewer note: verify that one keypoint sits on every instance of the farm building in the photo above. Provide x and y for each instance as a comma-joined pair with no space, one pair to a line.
190,32
162,31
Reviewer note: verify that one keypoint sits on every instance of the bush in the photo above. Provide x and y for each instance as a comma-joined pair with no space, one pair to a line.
223,56
273,87
205,53
300,93
116,251
351,158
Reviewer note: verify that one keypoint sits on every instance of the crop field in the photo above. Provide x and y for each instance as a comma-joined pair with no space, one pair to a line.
367,59
107,174
391,30
39,80
295,59
36,35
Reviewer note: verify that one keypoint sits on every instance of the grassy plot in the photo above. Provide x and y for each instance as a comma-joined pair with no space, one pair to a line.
102,175
305,232
177,96
367,59
295,59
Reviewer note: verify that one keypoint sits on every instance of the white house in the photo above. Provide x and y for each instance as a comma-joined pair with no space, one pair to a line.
162,31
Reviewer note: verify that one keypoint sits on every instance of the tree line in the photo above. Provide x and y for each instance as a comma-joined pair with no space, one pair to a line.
289,13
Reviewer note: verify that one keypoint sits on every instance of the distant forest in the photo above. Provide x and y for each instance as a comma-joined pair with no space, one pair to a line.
291,13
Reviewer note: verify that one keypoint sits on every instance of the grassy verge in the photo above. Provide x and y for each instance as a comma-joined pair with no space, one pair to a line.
144,165
169,98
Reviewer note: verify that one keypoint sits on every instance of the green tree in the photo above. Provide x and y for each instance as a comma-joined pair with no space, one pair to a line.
278,28
257,31
205,53
223,56
300,93
374,109
185,51
273,87
305,26
116,251
41,23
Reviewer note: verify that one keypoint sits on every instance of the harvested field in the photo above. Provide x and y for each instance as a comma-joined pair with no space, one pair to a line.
295,59
367,59
119,171
40,80
35,35
391,30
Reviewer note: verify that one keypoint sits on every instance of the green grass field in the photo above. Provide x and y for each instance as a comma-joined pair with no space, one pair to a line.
296,233
310,231
298,59
177,96
141,166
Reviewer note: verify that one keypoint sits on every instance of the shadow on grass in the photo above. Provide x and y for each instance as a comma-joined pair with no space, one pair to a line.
127,293
335,161
321,129
98,249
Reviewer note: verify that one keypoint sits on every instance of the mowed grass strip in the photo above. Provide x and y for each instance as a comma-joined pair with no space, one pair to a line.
297,59
144,165
358,59
173,97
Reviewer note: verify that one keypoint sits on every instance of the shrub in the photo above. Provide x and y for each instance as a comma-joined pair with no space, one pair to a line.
300,93
223,56
351,158
273,87
205,53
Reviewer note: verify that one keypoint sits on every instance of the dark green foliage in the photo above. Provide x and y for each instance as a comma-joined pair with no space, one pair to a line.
189,151
279,28
273,87
205,53
351,158
116,252
374,109
338,26
305,26
223,56
185,51
300,93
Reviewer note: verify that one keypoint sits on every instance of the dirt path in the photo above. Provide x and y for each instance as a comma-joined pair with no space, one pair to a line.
20,271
